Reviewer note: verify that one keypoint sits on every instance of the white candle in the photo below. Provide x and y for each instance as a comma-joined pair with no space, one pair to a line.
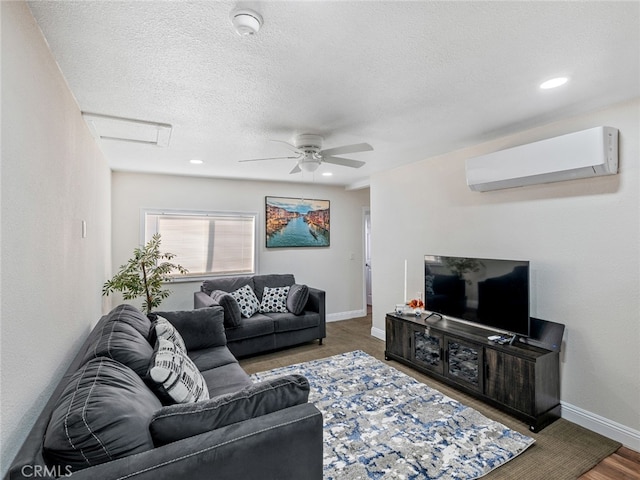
405,281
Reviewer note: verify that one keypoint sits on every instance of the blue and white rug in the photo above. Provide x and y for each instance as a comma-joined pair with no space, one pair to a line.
380,423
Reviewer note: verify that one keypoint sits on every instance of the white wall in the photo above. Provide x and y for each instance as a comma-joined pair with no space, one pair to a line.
582,238
53,177
330,269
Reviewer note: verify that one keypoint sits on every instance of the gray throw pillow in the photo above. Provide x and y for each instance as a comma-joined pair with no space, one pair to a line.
232,314
176,422
297,298
102,414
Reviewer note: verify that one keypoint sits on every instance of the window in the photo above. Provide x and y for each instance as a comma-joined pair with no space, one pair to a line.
205,243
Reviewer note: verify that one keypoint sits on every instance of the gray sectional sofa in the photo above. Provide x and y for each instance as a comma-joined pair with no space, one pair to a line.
105,419
303,319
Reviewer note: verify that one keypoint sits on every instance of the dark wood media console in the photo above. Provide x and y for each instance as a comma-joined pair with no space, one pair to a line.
523,380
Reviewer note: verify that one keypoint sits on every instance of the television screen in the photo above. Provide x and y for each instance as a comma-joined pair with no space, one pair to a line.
490,292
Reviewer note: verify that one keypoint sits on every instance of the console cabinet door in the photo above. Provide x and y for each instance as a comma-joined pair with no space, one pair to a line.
510,380
427,348
464,361
398,337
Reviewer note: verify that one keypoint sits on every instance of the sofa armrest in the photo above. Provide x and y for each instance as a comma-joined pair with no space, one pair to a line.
202,300
316,303
282,445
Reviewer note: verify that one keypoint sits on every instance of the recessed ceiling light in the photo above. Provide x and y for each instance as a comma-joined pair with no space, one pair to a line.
554,82
327,174
195,161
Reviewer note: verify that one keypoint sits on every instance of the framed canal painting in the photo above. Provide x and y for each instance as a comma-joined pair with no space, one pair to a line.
296,222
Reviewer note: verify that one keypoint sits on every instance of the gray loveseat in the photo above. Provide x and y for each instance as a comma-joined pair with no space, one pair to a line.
303,319
105,421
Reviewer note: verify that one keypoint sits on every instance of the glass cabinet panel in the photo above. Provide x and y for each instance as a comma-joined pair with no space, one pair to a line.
427,349
464,361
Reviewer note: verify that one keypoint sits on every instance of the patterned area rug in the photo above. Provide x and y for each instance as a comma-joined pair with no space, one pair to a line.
380,423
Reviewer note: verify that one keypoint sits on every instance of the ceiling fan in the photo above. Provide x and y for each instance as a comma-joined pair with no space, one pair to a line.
309,153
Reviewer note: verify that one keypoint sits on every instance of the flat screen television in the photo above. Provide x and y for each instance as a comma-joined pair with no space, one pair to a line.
490,292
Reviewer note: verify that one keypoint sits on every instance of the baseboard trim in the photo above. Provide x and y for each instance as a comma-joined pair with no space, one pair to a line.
336,317
628,437
378,333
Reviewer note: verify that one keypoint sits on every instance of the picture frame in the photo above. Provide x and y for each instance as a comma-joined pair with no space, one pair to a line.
297,222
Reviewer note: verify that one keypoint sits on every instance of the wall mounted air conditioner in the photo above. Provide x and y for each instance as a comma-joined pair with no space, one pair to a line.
588,153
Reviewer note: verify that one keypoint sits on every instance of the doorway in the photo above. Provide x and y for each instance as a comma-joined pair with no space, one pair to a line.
367,259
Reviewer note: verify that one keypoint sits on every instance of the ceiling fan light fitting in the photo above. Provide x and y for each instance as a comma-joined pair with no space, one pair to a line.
309,165
246,22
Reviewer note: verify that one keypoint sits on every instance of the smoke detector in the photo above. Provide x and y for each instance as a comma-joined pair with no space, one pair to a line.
246,22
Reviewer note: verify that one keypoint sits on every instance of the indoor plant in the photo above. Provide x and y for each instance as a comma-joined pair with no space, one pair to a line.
144,274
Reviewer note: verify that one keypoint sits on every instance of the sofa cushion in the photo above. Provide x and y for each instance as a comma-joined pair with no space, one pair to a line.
208,358
285,322
297,298
226,284
102,414
274,299
200,328
121,341
232,313
176,422
163,328
271,280
227,378
247,301
175,377
256,326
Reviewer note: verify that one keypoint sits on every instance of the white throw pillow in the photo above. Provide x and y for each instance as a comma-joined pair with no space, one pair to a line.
274,299
247,301
165,329
176,375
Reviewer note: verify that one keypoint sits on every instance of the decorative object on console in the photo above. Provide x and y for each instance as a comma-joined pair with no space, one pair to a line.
297,222
144,275
417,305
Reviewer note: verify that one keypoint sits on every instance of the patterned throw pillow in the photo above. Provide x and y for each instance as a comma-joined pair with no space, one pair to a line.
247,301
175,375
164,329
274,300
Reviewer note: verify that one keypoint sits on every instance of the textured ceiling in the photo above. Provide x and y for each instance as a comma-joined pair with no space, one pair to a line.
413,79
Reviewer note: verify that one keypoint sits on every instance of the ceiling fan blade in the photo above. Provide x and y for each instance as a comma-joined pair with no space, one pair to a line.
270,158
296,169
345,162
293,148
357,147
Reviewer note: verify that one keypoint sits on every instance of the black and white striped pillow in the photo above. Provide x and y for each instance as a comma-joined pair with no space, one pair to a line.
165,329
176,377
